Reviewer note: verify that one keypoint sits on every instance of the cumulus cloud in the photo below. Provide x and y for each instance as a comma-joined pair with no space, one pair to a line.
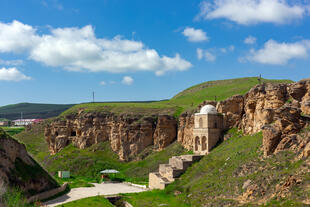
199,53
250,40
195,35
78,49
205,54
279,53
209,56
127,80
103,83
12,74
248,12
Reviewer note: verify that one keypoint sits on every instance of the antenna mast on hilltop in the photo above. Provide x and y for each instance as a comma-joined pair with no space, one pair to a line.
260,79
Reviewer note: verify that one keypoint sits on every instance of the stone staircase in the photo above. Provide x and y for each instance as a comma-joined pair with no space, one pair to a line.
169,172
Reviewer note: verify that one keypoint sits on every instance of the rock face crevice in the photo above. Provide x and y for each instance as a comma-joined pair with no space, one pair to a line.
127,134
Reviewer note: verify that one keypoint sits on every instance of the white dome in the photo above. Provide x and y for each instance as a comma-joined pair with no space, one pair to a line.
208,109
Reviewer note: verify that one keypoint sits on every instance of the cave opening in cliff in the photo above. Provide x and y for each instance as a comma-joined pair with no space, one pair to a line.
73,133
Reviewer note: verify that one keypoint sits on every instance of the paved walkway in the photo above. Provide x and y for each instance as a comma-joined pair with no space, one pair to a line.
99,189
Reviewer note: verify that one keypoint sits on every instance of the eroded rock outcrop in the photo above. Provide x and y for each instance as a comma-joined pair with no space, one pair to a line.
277,109
185,130
18,169
128,134
232,108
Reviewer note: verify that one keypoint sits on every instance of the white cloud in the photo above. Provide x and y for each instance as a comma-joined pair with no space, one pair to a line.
17,37
195,35
247,12
127,80
103,83
12,74
78,49
209,56
11,62
250,40
279,53
199,53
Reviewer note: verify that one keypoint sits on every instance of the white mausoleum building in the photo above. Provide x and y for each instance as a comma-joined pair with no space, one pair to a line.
207,129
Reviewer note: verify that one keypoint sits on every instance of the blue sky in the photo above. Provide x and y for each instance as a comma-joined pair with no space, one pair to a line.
54,51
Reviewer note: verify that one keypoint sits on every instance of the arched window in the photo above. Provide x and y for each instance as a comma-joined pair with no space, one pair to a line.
200,123
197,143
203,143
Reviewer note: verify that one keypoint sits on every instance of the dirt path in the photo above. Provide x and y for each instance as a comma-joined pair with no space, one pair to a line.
99,189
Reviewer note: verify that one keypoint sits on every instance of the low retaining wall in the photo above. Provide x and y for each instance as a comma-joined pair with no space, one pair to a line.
136,185
47,194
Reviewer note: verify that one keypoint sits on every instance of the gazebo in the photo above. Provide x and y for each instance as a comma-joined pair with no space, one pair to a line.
108,171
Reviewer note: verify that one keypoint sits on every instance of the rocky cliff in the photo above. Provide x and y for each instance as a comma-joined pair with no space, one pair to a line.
279,110
127,134
18,169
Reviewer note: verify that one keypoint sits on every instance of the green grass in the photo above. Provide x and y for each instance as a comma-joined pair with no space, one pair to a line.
97,201
187,100
34,141
13,130
218,178
85,164
155,198
15,198
32,110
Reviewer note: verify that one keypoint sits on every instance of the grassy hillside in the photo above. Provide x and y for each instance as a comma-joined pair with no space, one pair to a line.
87,163
32,110
185,101
219,178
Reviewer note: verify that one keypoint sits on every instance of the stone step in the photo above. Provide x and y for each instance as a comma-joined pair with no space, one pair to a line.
169,171
156,181
193,158
180,163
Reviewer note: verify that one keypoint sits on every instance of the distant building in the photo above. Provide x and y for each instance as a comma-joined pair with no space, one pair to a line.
207,130
4,123
25,122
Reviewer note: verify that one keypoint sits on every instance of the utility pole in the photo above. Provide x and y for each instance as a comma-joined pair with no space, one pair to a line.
21,117
260,79
93,96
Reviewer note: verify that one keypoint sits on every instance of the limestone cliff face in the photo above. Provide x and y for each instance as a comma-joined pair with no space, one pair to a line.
128,134
18,169
275,109
185,130
272,108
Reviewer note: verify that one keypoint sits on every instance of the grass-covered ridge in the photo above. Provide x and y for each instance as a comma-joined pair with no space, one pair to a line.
32,110
184,101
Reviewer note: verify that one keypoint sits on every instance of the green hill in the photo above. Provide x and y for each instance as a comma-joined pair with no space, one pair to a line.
219,179
186,100
32,110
